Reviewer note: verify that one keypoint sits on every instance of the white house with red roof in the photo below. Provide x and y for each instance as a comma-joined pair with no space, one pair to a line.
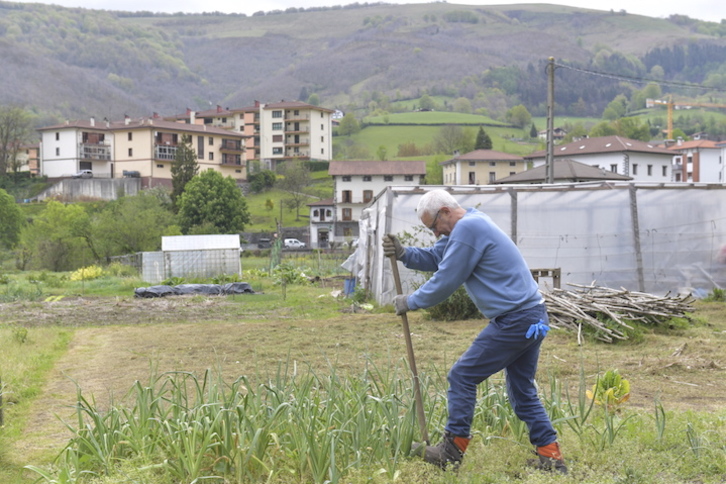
357,183
698,161
640,160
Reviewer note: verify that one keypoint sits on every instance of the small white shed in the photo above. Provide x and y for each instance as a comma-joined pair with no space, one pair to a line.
193,256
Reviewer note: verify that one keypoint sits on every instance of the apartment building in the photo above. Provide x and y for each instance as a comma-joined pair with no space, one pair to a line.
274,132
143,148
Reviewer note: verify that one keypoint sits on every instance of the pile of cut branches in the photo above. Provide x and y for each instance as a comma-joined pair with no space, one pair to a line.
608,311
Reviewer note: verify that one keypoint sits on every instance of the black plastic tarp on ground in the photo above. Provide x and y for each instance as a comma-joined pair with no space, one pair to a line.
186,289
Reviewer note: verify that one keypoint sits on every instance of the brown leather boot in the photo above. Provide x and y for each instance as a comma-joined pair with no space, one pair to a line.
450,450
549,458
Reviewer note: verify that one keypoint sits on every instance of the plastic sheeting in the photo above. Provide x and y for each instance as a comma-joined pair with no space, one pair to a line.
655,238
187,289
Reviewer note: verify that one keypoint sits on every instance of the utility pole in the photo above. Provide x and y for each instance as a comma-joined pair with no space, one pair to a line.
549,159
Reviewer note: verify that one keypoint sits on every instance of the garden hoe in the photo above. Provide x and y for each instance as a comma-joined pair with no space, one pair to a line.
421,415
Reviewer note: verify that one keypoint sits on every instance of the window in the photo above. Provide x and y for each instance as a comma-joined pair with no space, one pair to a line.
347,196
57,152
347,214
635,168
472,178
322,127
277,150
388,178
322,139
277,126
512,173
614,168
296,112
211,156
492,177
131,136
200,147
276,114
665,171
211,141
472,163
512,163
492,163
224,120
321,114
57,136
346,177
408,178
367,178
322,151
277,138
131,152
316,213
347,232
650,170
367,196
160,166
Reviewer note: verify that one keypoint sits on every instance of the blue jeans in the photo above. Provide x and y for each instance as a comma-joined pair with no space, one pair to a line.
502,345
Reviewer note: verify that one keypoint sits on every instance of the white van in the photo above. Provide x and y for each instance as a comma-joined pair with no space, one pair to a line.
293,244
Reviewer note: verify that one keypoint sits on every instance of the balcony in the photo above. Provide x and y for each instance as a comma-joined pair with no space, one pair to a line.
165,152
297,117
231,145
228,159
95,151
297,129
291,142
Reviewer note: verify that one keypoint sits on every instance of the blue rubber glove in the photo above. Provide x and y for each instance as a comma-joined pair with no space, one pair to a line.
537,329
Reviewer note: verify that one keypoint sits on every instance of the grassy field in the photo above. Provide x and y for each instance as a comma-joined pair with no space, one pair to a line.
324,391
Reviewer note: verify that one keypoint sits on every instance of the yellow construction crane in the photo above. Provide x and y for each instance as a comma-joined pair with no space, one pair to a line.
671,104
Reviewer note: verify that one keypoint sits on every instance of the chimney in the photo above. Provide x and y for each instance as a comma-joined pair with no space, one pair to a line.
219,108
192,117
189,111
155,115
93,121
126,119
679,141
257,104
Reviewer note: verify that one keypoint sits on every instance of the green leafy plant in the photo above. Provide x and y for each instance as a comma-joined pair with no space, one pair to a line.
610,390
173,281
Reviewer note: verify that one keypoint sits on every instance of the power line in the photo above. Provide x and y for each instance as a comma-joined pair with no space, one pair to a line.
642,80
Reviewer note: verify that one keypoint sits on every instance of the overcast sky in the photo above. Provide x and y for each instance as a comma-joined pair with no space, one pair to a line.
712,10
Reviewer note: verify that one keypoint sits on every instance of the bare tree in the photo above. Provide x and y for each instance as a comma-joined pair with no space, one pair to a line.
15,132
295,178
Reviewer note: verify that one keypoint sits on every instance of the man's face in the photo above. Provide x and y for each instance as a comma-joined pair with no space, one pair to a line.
440,223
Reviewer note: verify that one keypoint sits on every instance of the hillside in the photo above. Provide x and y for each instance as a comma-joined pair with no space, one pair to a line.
63,62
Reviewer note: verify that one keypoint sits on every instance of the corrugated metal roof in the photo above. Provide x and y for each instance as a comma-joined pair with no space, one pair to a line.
199,242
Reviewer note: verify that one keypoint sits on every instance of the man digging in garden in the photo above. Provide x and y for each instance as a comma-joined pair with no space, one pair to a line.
471,250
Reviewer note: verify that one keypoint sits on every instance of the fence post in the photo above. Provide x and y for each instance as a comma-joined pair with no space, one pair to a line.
2,419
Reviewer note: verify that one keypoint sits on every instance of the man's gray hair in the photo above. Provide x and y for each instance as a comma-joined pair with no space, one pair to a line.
433,201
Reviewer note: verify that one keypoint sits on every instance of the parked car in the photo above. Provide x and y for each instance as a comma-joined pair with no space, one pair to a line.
84,174
293,244
264,243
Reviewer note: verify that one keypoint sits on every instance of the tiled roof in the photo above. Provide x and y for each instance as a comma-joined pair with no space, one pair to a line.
144,123
564,171
605,144
377,168
689,145
296,105
322,203
483,155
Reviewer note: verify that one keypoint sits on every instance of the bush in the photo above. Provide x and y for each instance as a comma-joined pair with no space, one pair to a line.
116,269
458,306
87,273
